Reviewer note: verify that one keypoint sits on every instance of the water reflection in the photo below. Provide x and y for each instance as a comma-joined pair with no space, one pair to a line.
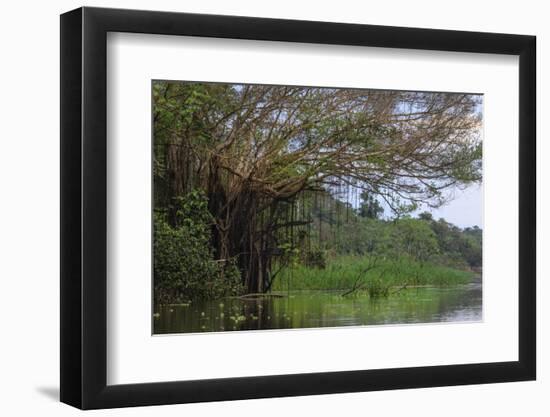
322,309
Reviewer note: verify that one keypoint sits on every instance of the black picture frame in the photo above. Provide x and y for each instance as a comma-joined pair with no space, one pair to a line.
84,207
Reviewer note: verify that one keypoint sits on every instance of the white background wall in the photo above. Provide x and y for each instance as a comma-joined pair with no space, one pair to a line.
29,225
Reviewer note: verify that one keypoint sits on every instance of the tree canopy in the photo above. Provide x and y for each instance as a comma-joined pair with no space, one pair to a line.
282,140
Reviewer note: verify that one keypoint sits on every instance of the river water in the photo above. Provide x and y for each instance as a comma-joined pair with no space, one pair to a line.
310,309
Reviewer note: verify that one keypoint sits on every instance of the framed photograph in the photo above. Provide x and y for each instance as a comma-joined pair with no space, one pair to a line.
256,208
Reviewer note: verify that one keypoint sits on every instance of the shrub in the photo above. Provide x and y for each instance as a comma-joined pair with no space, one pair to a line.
183,267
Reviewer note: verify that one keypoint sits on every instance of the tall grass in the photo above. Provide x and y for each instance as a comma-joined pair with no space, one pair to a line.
348,272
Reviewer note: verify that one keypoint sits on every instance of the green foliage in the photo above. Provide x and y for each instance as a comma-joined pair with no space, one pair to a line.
343,272
290,255
379,257
370,206
339,230
426,215
377,287
184,268
458,248
414,238
364,236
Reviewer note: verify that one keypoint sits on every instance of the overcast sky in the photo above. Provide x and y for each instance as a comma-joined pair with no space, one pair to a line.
465,210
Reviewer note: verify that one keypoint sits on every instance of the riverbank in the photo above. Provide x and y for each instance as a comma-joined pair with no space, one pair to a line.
349,272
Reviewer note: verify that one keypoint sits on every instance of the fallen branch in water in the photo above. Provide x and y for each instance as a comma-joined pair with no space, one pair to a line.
259,295
403,287
356,285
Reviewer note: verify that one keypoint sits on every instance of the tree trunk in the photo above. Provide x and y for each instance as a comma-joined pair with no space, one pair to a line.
236,234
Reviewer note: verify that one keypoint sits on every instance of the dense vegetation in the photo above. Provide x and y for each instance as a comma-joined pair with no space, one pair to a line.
184,265
365,252
258,187
341,248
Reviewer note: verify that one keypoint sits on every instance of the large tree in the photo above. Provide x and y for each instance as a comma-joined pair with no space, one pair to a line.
255,149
